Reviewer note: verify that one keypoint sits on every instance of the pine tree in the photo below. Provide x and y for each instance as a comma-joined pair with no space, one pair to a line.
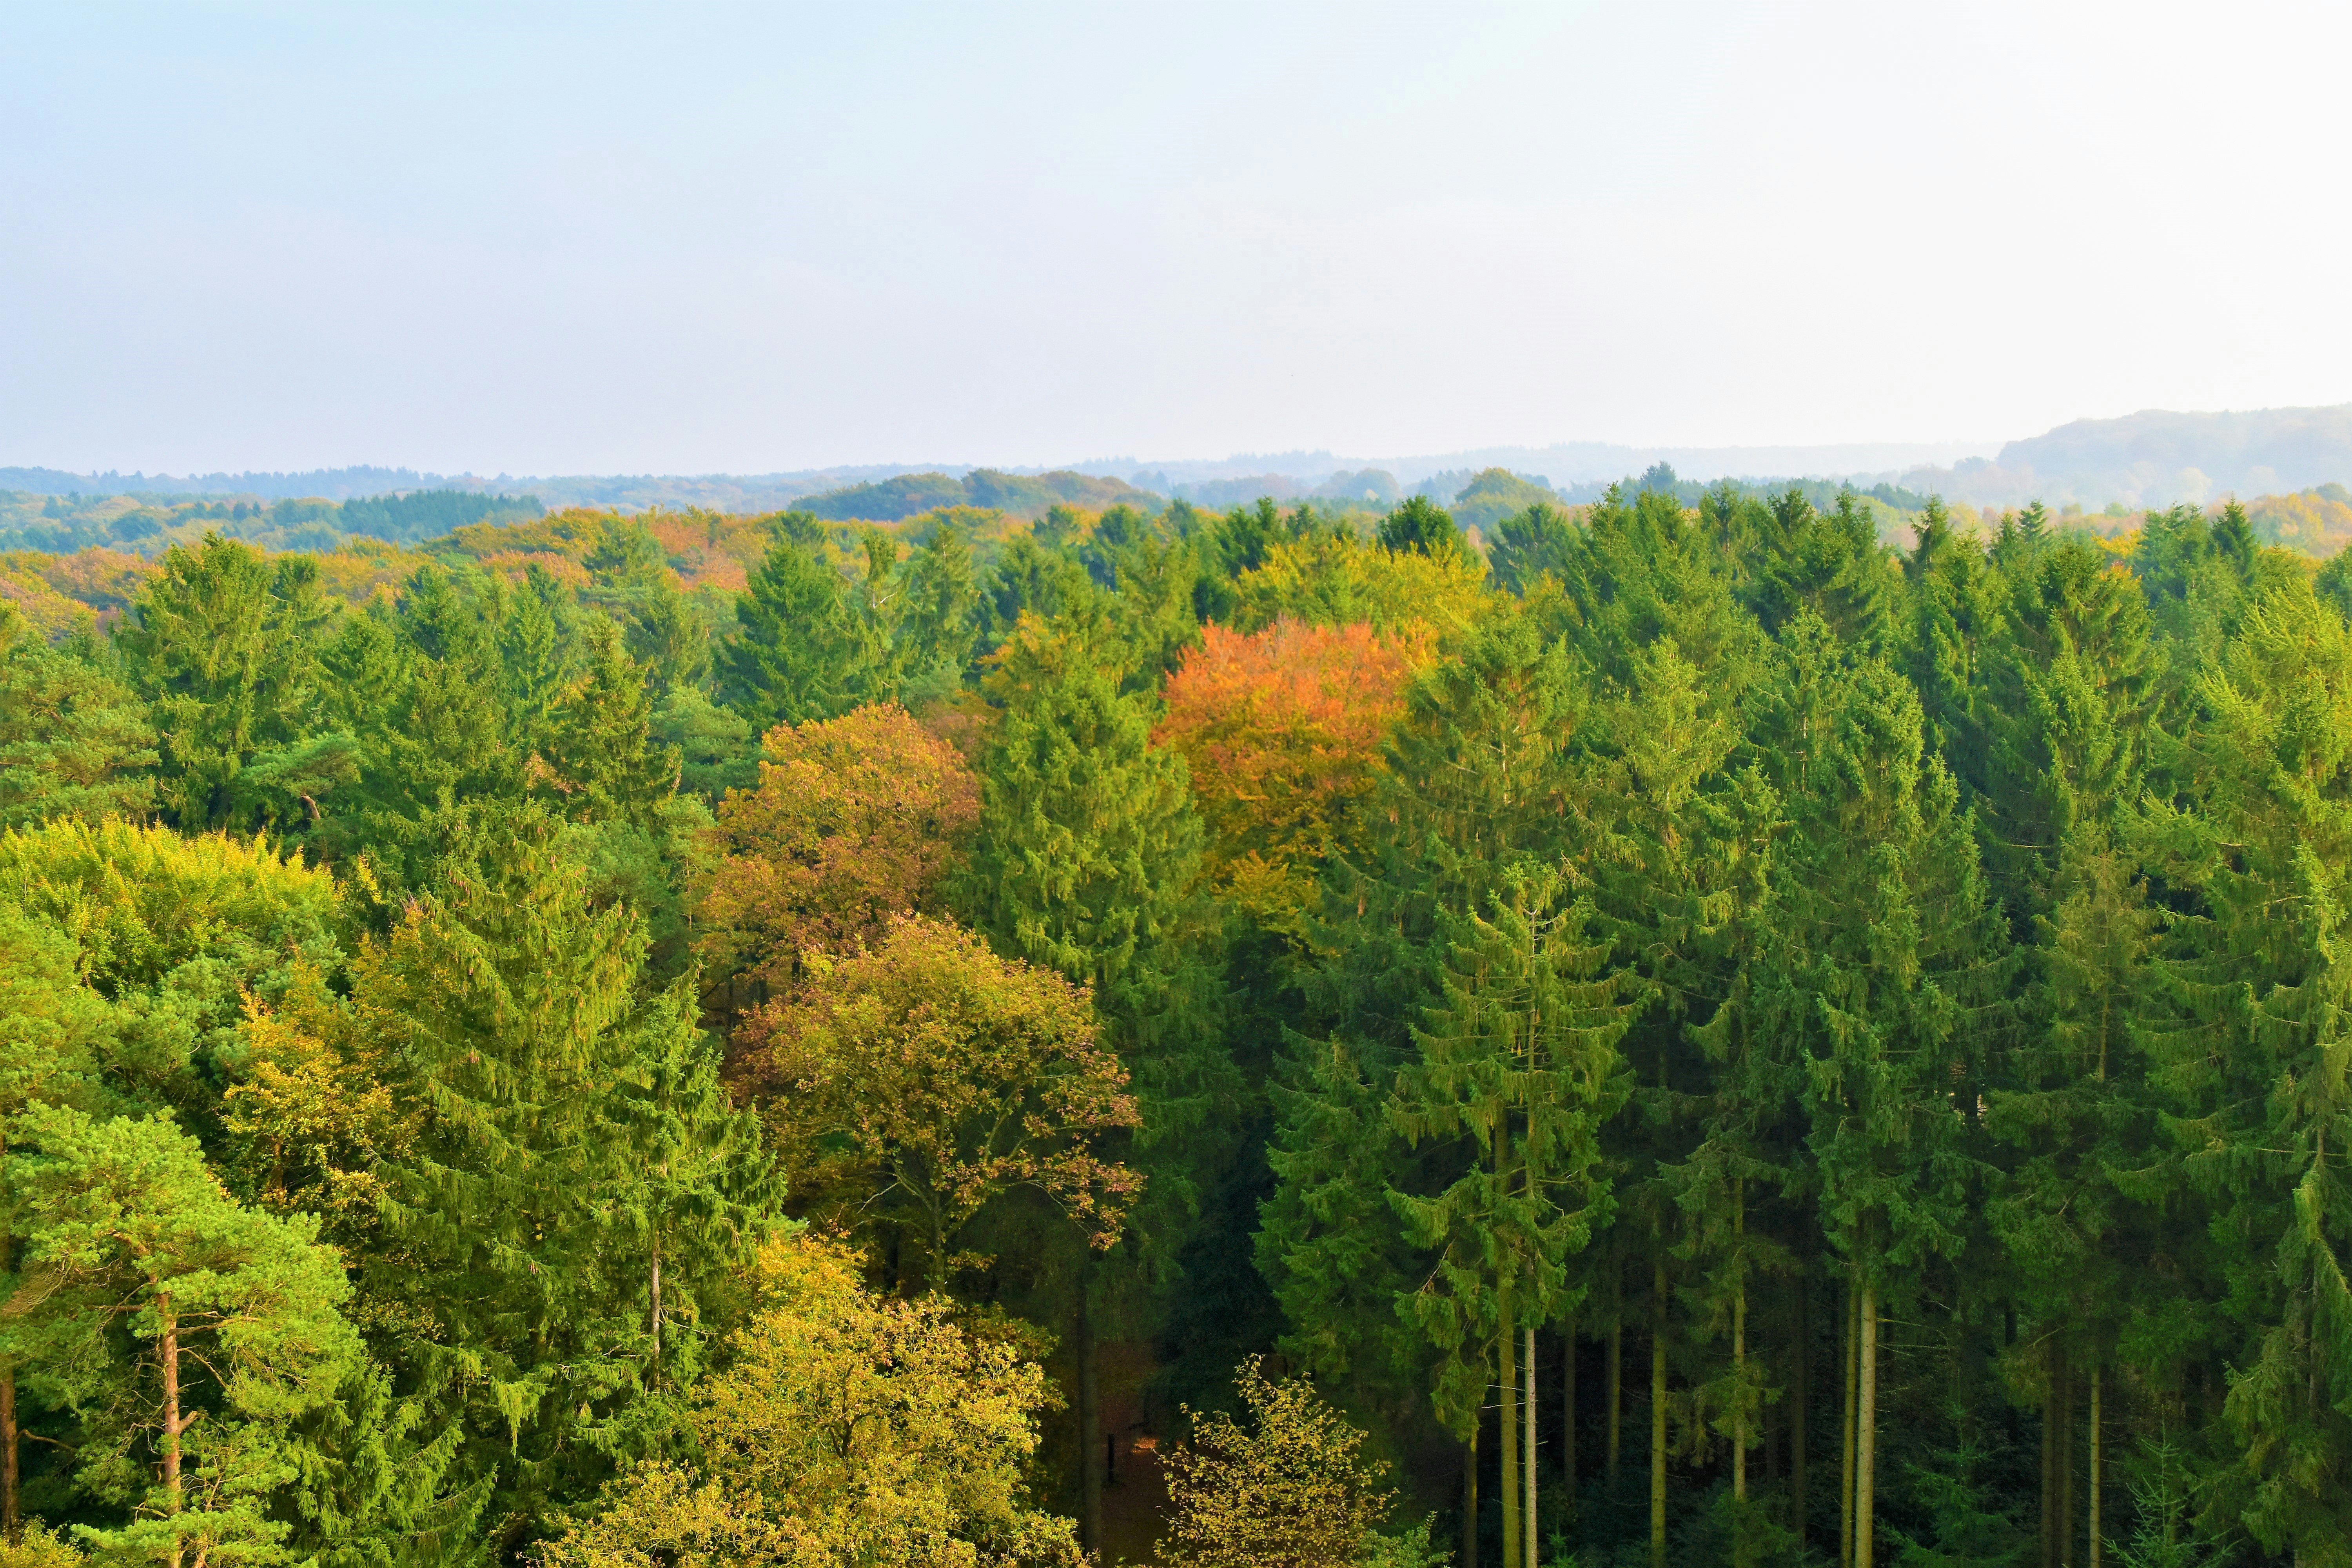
231,1317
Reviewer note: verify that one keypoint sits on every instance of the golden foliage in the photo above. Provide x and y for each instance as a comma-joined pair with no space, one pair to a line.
851,1430
1291,1488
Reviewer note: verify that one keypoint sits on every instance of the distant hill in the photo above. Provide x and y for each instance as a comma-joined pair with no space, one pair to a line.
2156,458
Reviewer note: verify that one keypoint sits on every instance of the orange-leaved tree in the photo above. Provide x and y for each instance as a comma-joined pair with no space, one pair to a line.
854,820
1282,729
911,1083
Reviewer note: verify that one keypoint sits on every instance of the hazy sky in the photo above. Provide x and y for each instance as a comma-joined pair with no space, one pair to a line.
592,239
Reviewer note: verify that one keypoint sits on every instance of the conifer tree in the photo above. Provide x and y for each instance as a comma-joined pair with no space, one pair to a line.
223,645
1516,1070
231,1318
2251,1047
1877,961
808,647
565,1121
74,739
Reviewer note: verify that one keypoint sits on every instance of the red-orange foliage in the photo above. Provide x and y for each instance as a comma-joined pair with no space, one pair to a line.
1283,731
854,820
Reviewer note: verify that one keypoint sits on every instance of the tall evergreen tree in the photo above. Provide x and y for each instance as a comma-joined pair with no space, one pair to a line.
573,1147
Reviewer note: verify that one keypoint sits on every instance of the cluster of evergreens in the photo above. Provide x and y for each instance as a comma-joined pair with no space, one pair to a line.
1677,1033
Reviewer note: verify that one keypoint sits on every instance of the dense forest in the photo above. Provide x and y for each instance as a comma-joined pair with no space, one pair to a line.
1665,1032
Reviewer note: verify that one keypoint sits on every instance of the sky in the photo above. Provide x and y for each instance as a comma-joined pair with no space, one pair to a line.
680,238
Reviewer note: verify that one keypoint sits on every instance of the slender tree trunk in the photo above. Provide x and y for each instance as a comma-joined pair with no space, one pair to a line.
2049,1456
172,1424
1527,1519
657,1304
1845,1443
1616,1399
1089,1414
1865,1443
1799,1381
2065,1460
2097,1546
1507,1428
9,1531
1470,1499
1568,1412
1658,1424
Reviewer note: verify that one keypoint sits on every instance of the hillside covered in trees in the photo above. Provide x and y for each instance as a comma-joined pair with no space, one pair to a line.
1670,1031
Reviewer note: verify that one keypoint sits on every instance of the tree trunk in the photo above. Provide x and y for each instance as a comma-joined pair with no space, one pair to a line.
2050,1456
1658,1425
2064,1449
1568,1412
1616,1398
657,1310
1089,1414
172,1424
1865,1443
2097,1547
1506,1479
1799,1377
1846,1441
1739,1379
1470,1501
1528,1514
9,1531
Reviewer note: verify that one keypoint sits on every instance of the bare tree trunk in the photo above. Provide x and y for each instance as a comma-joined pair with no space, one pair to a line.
1658,1424
1527,1519
1865,1454
1089,1413
2097,1548
172,1424
1470,1501
1845,1445
657,1307
1507,1428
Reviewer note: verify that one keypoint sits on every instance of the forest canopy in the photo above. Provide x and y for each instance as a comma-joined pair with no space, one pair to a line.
985,1022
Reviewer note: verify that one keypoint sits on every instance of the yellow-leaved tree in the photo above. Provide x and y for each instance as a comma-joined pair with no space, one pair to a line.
1289,1487
851,1429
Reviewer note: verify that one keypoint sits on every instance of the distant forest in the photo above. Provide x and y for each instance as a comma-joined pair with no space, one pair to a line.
1716,1025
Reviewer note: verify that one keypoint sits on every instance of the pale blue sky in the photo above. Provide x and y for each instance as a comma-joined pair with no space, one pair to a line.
601,239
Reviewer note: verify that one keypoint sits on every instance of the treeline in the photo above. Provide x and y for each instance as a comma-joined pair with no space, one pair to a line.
147,525
1689,1036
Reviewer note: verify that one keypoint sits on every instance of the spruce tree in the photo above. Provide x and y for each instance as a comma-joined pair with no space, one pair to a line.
571,1147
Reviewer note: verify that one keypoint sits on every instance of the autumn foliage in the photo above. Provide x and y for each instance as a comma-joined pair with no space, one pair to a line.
854,820
914,1081
1283,730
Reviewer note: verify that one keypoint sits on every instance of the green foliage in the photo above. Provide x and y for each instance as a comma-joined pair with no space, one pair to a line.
573,1147
74,739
